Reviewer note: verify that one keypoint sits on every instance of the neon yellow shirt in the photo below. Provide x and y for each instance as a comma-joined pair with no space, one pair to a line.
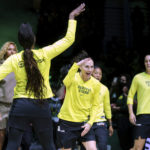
104,95
141,85
43,58
81,99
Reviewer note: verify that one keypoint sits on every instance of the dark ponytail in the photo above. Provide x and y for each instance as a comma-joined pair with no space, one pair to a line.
35,80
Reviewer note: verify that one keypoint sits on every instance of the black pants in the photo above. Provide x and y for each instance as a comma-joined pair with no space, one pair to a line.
15,137
27,139
125,133
101,134
31,112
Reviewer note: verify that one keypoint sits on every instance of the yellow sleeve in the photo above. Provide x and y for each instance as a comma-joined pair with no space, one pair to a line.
132,91
62,44
71,74
95,105
6,68
107,108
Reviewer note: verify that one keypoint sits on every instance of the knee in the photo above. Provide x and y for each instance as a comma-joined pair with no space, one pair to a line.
137,147
2,133
91,145
91,148
2,138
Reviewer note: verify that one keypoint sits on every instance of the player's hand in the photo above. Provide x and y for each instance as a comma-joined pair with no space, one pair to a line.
80,63
86,127
132,118
111,130
77,11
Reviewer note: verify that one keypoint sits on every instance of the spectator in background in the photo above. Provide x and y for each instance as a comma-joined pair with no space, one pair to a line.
6,89
117,85
60,93
36,5
141,86
116,90
123,126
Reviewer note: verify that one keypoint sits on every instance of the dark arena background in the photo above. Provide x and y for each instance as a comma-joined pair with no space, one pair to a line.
115,33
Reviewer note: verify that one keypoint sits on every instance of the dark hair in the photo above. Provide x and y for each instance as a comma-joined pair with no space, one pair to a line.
82,55
97,67
35,80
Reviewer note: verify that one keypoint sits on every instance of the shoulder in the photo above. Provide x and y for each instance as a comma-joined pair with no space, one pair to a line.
17,56
104,86
36,51
95,82
138,78
139,75
40,54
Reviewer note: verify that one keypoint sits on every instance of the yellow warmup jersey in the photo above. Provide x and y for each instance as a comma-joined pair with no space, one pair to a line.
141,86
105,97
81,99
43,58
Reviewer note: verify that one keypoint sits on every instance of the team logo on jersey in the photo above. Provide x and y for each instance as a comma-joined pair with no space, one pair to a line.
21,63
148,83
83,89
40,60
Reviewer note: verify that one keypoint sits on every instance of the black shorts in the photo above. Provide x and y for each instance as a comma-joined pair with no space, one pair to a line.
101,134
70,132
142,128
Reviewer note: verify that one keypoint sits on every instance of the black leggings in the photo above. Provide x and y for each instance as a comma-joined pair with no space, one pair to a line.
30,112
15,137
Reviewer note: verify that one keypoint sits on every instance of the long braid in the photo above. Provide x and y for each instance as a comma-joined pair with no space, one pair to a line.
35,80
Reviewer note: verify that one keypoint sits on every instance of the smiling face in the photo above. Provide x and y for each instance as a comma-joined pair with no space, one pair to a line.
97,73
10,50
147,63
87,70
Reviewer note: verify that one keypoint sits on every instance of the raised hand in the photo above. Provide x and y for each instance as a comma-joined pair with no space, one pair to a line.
76,12
80,63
